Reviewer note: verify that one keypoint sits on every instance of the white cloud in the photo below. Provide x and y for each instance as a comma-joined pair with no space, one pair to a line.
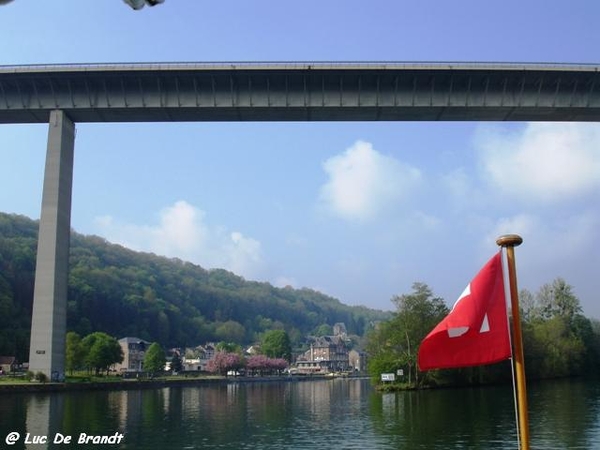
547,242
243,255
182,232
362,182
545,162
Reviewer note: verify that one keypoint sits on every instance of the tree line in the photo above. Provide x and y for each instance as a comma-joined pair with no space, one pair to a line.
176,303
558,340
98,352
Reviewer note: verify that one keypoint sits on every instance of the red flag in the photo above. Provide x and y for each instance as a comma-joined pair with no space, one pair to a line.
476,330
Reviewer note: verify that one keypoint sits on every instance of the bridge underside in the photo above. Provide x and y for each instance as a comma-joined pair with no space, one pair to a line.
196,92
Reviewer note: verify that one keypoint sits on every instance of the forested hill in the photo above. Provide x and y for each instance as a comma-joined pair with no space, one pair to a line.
176,303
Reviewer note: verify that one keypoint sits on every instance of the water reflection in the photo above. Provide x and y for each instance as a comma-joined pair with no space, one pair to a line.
44,416
345,414
466,418
565,414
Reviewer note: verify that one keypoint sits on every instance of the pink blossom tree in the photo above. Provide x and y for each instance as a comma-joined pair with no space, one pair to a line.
223,362
262,365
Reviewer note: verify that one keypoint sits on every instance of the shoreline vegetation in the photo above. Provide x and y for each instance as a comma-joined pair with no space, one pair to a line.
559,341
14,385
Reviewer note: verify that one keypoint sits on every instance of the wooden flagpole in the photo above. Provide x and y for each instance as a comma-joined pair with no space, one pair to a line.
509,242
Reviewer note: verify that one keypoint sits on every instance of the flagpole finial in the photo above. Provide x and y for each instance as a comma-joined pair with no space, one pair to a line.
509,240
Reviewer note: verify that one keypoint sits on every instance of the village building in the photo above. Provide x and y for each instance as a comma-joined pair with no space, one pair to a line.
8,364
326,354
134,350
357,361
197,358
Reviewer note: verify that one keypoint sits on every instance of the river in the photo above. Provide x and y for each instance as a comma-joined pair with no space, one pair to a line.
340,414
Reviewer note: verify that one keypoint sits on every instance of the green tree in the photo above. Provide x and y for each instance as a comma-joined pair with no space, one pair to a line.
558,340
561,350
74,352
418,313
384,350
587,330
276,344
395,344
228,347
528,306
176,364
558,299
154,359
101,351
323,330
231,331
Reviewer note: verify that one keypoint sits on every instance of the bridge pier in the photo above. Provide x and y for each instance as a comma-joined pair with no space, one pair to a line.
49,318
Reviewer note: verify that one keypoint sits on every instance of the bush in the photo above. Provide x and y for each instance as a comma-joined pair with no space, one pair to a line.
41,377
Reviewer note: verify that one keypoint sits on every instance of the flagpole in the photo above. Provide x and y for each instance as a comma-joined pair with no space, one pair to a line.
509,242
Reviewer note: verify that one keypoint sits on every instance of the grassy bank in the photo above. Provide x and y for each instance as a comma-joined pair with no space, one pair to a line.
83,382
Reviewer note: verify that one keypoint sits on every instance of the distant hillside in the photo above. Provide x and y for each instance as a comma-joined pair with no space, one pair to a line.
176,303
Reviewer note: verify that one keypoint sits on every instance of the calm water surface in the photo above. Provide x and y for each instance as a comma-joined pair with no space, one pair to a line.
341,414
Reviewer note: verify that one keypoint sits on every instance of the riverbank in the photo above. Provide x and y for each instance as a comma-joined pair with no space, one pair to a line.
147,383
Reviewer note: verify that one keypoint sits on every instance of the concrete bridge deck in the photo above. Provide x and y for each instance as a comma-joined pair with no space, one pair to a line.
300,92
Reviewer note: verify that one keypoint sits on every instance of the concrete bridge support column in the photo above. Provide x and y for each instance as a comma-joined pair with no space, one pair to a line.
49,319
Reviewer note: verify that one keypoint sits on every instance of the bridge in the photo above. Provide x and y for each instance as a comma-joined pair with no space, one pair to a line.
300,92
62,95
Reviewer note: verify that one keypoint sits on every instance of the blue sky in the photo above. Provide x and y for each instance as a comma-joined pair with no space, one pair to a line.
359,211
